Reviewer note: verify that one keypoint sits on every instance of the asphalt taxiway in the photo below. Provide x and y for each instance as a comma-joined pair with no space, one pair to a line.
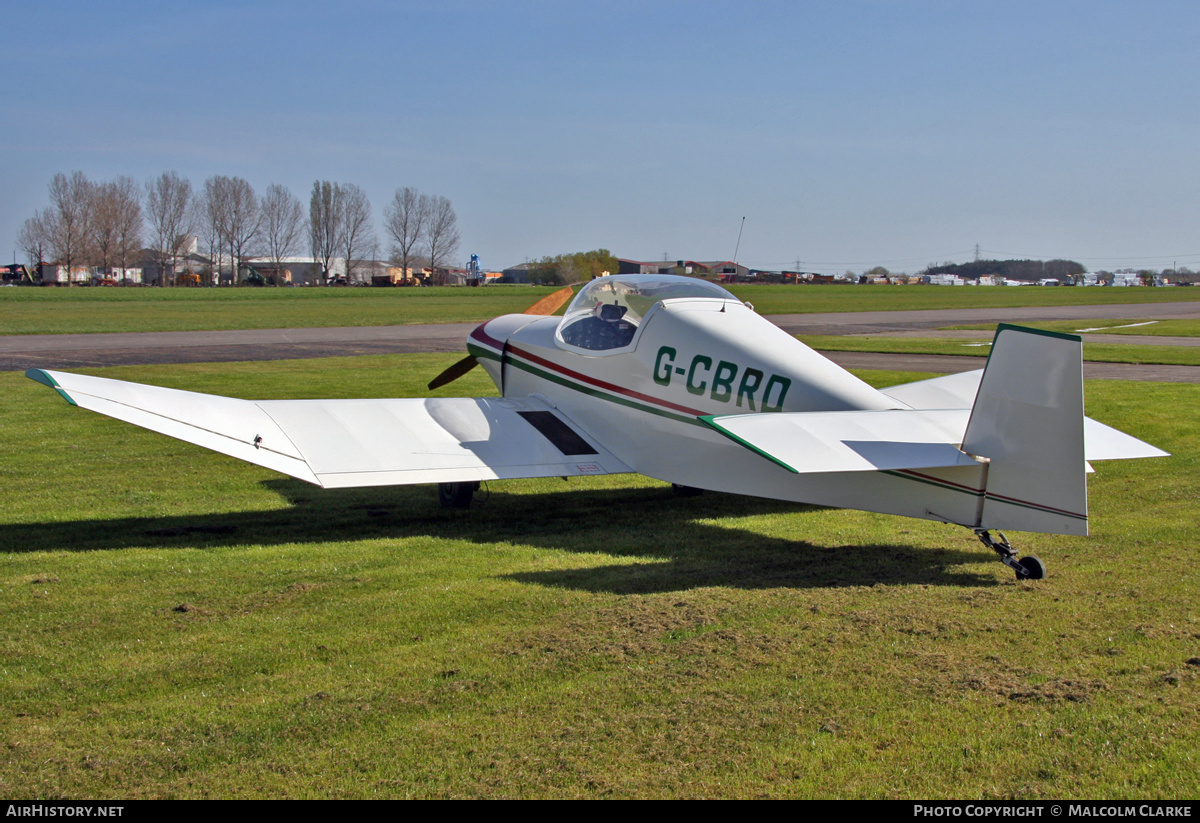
67,351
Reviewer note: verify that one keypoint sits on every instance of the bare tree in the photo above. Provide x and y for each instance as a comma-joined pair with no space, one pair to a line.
103,225
282,223
230,216
244,220
405,219
209,220
168,198
324,224
441,237
129,221
34,238
116,225
69,230
357,233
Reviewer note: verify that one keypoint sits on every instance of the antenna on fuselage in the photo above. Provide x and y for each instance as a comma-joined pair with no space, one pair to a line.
736,249
739,244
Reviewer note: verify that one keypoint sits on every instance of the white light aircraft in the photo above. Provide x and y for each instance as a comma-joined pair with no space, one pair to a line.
676,378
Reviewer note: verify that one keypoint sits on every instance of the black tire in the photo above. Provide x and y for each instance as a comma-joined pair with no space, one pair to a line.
456,495
1034,568
685,491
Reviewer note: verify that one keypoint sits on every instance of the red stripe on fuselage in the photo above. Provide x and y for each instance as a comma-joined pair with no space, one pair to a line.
600,384
486,339
1001,498
942,481
1019,502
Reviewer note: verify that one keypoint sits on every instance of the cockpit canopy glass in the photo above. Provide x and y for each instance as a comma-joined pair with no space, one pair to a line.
607,311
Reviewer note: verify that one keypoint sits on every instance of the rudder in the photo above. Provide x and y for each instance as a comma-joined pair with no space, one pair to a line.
1028,420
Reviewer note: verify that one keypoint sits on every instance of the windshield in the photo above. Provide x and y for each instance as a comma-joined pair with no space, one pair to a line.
607,312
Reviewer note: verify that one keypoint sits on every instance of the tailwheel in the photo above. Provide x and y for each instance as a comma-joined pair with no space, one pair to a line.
1027,568
1034,568
456,495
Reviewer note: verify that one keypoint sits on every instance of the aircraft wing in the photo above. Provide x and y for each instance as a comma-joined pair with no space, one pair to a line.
346,443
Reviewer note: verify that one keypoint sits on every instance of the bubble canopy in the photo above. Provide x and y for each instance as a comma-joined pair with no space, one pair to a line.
607,311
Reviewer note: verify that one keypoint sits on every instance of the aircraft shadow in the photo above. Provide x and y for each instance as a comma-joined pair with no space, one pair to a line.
646,523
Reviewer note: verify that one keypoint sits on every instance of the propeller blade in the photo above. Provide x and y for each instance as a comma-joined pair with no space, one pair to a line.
454,372
546,306
551,302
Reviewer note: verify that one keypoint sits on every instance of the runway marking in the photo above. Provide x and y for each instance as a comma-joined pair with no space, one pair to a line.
1126,326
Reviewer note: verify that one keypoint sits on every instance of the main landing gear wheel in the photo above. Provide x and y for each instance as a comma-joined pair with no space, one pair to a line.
685,491
456,495
1027,568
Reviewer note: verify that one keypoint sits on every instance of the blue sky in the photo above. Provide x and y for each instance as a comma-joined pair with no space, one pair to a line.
848,134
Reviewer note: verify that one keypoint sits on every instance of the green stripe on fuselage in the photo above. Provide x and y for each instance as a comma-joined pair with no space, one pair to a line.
479,351
708,418
593,392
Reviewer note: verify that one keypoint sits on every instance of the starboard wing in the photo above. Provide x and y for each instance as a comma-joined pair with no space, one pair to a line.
346,443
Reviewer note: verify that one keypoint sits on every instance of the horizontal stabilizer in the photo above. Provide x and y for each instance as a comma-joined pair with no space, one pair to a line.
808,442
951,391
957,391
1101,442
346,443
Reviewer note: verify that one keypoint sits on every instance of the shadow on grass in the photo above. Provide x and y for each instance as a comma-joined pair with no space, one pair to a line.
637,522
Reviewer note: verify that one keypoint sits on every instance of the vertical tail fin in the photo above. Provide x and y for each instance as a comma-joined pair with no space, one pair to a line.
1028,420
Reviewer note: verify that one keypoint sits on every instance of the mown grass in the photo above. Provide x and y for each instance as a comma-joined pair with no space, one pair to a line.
804,299
176,624
1156,328
1097,352
88,310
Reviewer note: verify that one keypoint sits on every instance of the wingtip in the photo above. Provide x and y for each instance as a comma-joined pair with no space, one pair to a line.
43,377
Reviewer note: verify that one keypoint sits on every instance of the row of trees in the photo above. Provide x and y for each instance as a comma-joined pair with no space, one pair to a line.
85,222
1028,270
563,269
421,226
105,224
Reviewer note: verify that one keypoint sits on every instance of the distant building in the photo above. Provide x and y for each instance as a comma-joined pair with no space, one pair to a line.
636,267
944,280
517,274
299,271
57,273
687,267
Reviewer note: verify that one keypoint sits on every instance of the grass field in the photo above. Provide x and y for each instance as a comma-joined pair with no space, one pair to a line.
87,310
1157,328
805,299
176,624
1096,352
